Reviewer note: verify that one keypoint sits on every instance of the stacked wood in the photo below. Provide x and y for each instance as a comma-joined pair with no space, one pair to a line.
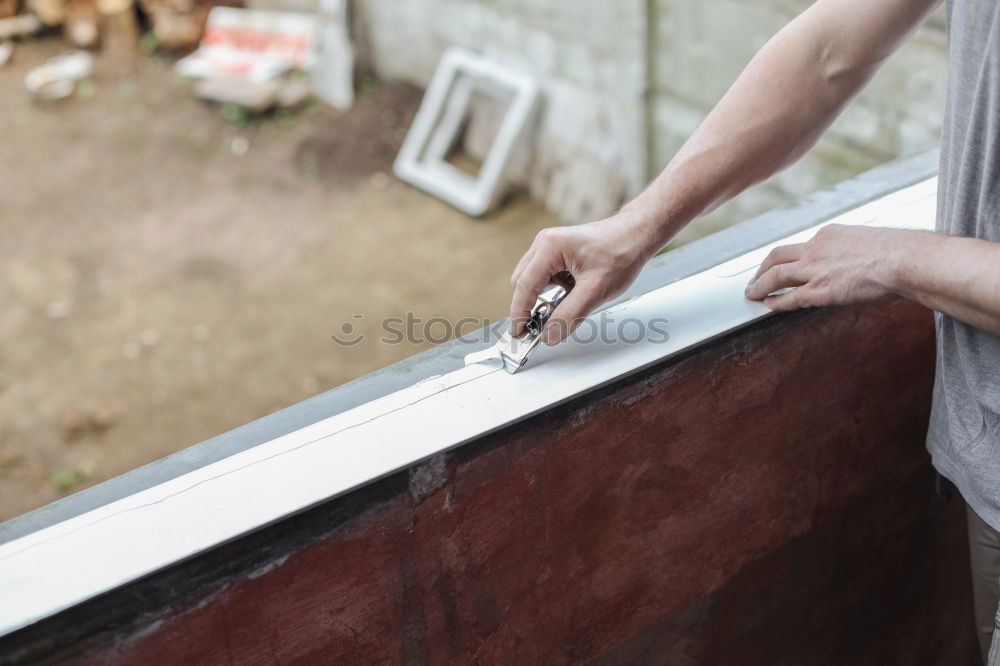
49,12
177,24
88,23
119,30
81,23
9,8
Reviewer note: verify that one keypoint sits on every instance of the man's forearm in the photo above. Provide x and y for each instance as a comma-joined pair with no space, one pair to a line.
957,276
774,112
777,109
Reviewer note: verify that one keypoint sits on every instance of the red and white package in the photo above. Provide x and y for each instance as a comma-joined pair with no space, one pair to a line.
254,44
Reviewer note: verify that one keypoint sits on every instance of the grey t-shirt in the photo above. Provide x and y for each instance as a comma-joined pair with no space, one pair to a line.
964,435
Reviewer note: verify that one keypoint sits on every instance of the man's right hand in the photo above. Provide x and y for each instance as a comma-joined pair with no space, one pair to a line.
604,258
777,109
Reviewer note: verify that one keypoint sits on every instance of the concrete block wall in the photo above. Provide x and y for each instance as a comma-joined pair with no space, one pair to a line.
699,48
590,142
627,82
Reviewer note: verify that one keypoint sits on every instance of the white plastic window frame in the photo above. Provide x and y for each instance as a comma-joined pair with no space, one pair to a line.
422,159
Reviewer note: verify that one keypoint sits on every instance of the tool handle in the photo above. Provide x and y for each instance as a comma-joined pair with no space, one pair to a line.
548,300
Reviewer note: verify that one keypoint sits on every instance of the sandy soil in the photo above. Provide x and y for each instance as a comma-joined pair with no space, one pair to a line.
169,271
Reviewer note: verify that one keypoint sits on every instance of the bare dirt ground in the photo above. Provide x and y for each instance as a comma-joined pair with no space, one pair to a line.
169,271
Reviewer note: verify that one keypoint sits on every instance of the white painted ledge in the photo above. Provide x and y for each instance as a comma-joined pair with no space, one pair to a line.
62,565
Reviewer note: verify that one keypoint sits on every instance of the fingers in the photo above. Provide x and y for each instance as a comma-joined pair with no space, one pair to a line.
782,271
533,277
525,260
780,276
793,299
780,255
570,313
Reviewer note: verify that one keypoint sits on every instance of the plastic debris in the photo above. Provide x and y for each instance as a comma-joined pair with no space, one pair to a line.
251,44
255,96
249,58
333,76
58,77
18,26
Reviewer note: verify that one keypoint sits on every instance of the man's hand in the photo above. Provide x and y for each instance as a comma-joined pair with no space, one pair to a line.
604,258
840,265
776,110
844,265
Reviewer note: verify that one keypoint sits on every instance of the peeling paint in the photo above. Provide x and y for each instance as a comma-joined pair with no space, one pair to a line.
428,477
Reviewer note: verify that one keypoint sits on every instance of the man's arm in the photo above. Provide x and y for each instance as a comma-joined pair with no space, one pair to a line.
842,265
776,110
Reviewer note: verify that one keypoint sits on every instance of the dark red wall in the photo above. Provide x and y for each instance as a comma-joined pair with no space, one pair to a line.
765,500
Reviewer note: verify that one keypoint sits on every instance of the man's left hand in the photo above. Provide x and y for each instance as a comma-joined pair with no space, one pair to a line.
840,265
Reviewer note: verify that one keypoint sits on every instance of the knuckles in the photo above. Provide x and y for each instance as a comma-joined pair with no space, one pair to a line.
608,261
828,230
771,257
547,235
522,283
828,233
778,273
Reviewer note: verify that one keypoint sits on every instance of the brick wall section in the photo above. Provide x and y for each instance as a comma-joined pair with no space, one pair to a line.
600,136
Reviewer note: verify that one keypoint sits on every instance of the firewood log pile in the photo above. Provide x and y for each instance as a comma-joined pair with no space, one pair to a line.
114,26
177,23
9,8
